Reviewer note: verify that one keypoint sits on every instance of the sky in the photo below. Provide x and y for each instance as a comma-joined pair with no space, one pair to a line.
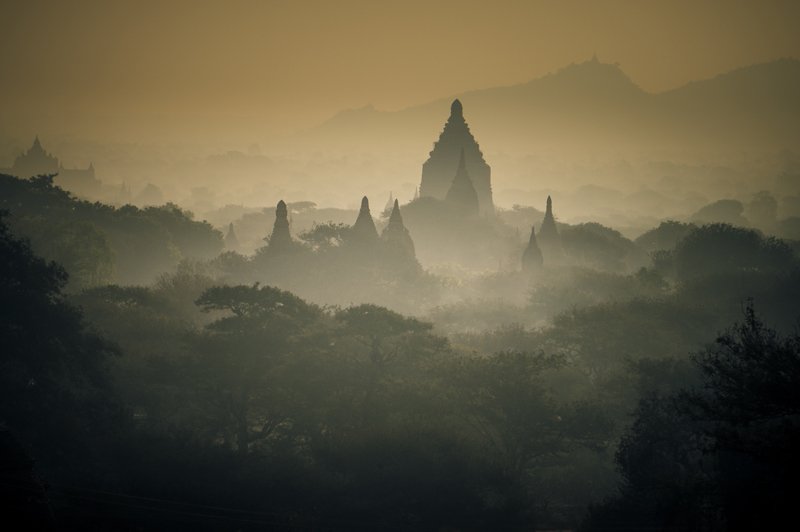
128,69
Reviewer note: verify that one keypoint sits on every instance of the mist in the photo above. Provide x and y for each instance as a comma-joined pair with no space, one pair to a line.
330,266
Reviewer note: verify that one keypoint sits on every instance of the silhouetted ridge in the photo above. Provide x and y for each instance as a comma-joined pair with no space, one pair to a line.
280,239
462,192
456,142
364,228
532,256
396,235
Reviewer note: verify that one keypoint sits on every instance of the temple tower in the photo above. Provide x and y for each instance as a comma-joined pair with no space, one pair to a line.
363,230
396,236
441,166
532,256
549,239
462,193
231,242
280,239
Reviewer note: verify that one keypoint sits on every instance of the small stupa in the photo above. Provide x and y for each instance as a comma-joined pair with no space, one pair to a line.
231,242
532,259
396,236
363,231
280,239
548,238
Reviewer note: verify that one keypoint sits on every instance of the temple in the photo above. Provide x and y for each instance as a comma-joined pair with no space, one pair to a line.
441,166
462,193
280,239
396,236
549,239
532,259
363,231
37,161
231,241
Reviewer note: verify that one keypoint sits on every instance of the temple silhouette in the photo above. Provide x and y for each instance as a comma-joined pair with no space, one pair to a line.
38,161
462,194
439,170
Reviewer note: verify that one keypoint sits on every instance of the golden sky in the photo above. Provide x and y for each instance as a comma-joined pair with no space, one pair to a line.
279,66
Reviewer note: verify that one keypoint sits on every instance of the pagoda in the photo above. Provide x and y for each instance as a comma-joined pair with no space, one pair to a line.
396,236
462,194
280,239
363,231
441,166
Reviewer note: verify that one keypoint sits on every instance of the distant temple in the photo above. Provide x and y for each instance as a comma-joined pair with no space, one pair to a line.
549,239
280,240
462,193
396,236
440,168
363,231
532,259
231,241
37,161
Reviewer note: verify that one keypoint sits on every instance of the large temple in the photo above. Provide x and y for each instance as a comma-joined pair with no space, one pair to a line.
440,168
37,161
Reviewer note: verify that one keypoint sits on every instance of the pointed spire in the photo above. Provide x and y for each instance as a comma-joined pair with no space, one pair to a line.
364,228
280,239
462,192
532,256
388,208
396,236
437,171
548,229
395,218
549,239
456,110
231,242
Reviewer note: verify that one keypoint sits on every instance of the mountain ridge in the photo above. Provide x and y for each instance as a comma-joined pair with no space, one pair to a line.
759,102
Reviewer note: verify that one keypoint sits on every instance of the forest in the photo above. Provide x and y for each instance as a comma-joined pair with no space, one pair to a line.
154,377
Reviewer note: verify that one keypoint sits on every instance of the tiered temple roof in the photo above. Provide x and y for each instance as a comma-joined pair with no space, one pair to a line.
441,166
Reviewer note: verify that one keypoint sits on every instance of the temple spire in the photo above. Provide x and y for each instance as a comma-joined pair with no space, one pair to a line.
364,228
280,239
549,239
462,192
456,110
396,236
231,242
437,171
532,259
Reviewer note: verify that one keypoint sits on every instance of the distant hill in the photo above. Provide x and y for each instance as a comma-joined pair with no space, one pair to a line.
597,103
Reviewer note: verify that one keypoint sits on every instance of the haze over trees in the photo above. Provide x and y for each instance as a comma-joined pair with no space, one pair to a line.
264,342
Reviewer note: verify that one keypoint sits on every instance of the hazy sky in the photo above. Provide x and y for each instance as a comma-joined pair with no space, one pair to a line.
107,67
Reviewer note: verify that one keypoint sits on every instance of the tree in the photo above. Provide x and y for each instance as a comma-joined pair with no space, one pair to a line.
722,455
240,356
722,248
504,399
54,382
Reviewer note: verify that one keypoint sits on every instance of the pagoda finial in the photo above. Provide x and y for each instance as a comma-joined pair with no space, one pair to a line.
456,109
